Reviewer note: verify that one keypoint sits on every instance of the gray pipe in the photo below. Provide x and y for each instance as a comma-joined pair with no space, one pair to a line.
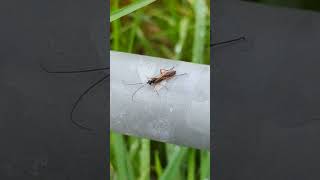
180,114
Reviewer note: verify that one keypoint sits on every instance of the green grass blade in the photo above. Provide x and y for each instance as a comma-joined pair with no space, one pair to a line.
145,42
170,148
191,164
200,9
112,172
134,145
115,30
166,52
183,32
132,36
130,170
121,157
145,160
204,165
129,9
123,30
158,167
176,160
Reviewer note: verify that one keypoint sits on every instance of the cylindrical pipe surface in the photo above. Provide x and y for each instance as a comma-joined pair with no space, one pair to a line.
178,112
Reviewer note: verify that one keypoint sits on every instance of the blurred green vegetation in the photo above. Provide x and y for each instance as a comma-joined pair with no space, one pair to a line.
301,4
174,29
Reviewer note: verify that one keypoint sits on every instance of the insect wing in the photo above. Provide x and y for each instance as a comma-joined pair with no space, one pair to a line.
160,85
145,72
163,71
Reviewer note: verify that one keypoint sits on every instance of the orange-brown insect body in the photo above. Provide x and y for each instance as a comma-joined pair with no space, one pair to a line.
164,75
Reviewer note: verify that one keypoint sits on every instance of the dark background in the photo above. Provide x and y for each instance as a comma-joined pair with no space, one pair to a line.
38,140
300,4
266,92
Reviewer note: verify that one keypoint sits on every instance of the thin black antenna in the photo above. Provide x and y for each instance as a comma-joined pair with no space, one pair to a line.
132,83
77,71
80,98
229,41
75,105
137,91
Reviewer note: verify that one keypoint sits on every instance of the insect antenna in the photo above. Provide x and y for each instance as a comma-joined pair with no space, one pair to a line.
80,98
75,105
77,71
144,84
137,91
181,74
133,83
229,41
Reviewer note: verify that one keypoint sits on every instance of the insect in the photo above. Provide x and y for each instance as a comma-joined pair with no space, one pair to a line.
229,41
87,90
165,74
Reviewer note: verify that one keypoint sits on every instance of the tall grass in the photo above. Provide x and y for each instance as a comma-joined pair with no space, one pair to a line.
174,29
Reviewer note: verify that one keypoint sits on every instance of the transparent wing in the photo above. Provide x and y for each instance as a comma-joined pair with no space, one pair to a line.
145,71
160,85
162,71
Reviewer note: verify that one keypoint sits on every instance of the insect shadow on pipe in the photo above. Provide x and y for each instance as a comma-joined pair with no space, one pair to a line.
165,75
86,91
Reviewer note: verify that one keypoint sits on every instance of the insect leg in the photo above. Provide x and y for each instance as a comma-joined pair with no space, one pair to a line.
80,98
156,92
161,84
177,75
164,86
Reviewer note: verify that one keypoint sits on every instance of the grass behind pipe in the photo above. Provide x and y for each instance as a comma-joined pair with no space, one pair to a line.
200,10
169,29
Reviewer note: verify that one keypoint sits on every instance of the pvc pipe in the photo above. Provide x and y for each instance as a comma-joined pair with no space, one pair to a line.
178,114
